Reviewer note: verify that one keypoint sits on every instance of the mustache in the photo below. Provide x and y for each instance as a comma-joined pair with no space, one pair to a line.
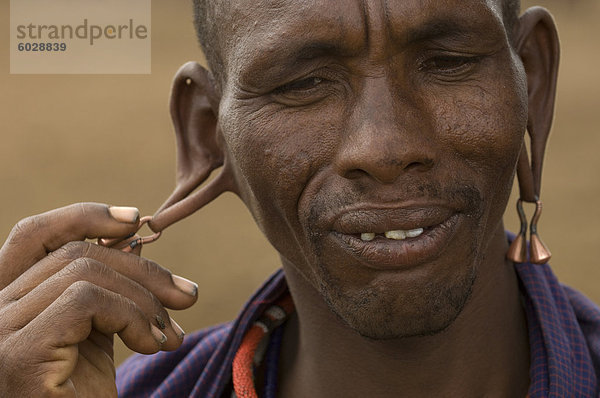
462,197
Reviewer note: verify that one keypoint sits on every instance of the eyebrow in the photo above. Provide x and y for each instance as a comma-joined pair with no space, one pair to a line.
435,29
318,49
294,51
439,28
464,27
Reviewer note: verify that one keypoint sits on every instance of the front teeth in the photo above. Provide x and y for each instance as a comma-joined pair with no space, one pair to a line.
396,235
413,233
367,236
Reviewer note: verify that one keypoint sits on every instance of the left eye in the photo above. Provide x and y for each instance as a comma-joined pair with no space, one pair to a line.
300,85
450,64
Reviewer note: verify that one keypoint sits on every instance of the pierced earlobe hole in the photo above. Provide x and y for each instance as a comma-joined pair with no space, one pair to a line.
188,81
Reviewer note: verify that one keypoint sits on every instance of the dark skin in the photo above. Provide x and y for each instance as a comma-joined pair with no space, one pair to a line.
63,299
408,117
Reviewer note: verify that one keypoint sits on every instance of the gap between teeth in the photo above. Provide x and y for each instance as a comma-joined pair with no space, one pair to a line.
395,235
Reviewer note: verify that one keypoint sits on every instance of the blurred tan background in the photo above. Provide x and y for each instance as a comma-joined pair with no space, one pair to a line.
108,139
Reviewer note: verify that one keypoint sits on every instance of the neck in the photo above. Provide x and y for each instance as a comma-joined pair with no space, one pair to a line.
484,352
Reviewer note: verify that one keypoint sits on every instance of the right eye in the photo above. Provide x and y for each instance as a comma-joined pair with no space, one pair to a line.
301,85
304,91
451,66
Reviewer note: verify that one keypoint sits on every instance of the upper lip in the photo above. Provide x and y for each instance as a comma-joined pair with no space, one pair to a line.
379,219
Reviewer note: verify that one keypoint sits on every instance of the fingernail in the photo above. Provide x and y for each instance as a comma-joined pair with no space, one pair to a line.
130,215
160,322
185,285
158,335
178,330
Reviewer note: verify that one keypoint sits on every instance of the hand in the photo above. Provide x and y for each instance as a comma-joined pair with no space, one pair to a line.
62,299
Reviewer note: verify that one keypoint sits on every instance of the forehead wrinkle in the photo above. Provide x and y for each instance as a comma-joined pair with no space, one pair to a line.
244,23
281,32
422,20
276,28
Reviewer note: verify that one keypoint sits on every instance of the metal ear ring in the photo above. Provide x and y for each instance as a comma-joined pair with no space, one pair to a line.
517,252
539,253
126,244
143,240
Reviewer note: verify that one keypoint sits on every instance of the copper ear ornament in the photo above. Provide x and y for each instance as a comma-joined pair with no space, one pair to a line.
538,251
127,244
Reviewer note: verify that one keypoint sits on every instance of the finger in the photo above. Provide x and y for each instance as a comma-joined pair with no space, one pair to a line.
51,338
84,306
21,312
34,237
131,245
171,290
124,244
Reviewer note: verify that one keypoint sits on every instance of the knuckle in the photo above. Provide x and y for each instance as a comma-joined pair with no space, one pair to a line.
85,298
146,266
82,210
81,288
133,308
85,210
83,266
153,270
80,293
73,250
24,228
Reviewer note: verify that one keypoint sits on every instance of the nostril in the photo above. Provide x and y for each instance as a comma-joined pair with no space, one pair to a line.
382,161
414,166
356,174
422,165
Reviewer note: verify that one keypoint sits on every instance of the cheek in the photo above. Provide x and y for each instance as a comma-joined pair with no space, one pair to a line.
484,129
275,156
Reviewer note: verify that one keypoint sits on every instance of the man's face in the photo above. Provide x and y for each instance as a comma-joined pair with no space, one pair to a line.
345,120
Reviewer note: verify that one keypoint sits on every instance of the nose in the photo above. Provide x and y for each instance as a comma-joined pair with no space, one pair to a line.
386,136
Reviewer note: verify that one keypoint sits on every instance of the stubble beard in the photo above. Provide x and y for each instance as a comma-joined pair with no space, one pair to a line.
421,311
401,310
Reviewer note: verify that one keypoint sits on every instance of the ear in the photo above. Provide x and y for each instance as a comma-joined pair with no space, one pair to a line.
194,110
538,46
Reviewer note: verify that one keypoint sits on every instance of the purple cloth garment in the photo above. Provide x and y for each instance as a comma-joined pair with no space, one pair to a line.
564,336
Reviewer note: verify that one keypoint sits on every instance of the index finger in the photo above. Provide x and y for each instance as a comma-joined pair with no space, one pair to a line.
34,237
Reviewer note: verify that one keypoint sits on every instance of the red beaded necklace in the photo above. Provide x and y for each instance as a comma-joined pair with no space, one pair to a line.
248,355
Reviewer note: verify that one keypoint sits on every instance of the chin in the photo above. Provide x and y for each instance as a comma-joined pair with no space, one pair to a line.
386,311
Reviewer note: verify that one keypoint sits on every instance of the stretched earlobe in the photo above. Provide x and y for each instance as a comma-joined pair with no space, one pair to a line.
538,47
539,50
194,111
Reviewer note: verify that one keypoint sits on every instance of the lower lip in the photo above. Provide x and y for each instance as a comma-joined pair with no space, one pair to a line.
388,254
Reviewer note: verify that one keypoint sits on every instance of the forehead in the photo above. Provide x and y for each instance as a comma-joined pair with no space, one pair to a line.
251,29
